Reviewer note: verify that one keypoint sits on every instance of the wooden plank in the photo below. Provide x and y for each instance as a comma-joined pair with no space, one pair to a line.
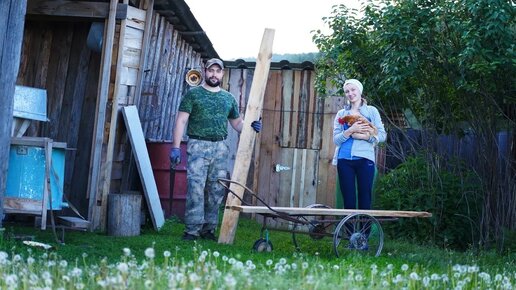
22,205
295,110
82,9
73,222
268,189
311,110
329,211
100,117
326,177
147,33
303,112
286,108
141,155
107,165
47,194
309,191
247,137
136,18
133,38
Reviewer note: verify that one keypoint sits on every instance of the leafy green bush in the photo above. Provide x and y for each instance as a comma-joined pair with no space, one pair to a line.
446,189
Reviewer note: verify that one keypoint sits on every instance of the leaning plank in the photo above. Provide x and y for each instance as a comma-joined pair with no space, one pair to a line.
247,137
326,211
134,129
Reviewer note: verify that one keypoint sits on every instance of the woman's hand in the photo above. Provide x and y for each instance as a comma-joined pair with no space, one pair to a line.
361,136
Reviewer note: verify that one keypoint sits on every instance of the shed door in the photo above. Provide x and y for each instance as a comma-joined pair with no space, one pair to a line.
297,170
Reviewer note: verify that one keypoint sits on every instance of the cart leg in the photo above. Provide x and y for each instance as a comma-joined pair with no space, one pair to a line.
263,244
358,232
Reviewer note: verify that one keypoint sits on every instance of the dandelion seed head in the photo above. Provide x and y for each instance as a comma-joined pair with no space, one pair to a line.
149,284
149,253
224,258
404,267
166,254
268,262
30,260
123,267
414,276
230,280
63,263
231,261
216,254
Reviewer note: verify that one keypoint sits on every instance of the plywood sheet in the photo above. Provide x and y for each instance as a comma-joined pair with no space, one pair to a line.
141,156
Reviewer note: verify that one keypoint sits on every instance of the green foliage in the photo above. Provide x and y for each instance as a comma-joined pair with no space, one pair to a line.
453,198
444,60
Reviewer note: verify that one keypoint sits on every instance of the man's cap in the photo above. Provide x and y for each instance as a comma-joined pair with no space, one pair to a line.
213,61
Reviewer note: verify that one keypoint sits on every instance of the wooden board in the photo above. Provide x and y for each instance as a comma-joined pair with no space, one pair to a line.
247,137
83,9
329,211
134,130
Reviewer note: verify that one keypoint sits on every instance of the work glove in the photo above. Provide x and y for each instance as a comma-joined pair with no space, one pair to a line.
257,125
175,156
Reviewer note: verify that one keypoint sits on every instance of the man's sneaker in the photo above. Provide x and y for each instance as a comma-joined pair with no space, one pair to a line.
188,237
208,236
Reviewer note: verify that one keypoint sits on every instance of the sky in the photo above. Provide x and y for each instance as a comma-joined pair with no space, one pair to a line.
235,27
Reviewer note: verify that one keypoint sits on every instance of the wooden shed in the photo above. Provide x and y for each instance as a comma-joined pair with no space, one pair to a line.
147,47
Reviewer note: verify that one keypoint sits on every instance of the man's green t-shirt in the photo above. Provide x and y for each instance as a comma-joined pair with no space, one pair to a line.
209,112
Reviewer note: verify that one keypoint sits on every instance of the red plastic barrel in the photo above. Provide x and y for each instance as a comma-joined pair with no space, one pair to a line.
173,204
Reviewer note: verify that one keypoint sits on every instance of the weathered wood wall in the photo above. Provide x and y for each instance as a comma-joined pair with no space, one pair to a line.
11,34
55,57
168,60
296,134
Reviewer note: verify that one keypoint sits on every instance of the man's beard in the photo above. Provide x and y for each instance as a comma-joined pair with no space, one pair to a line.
213,83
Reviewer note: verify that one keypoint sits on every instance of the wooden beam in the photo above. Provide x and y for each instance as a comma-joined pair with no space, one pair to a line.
96,148
247,137
11,37
107,165
79,9
303,211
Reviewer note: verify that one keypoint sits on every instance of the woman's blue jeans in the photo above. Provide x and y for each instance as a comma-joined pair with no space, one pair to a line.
353,174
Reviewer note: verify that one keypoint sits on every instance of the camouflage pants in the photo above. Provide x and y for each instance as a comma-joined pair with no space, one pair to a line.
206,163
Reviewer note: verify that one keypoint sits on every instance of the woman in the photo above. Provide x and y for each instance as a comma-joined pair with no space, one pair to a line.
355,155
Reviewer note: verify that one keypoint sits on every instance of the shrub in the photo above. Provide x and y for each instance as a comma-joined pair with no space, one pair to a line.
446,189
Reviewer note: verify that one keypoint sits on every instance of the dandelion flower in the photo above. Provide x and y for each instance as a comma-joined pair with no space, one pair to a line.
166,254
216,254
127,251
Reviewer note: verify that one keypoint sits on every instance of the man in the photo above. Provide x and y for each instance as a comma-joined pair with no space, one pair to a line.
206,109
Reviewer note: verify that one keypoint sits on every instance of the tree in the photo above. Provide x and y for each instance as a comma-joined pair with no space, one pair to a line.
452,63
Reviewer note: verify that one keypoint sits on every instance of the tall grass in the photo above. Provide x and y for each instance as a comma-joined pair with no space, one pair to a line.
161,260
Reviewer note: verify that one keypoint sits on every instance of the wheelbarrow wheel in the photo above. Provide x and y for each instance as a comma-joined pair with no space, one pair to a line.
309,230
262,245
360,233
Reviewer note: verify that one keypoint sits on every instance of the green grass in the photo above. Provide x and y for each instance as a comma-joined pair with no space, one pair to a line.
94,249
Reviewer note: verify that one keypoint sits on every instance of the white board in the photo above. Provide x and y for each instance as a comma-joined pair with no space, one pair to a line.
141,156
